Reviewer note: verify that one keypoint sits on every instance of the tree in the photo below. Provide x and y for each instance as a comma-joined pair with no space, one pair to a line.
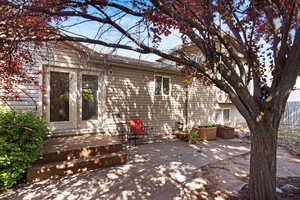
14,53
242,41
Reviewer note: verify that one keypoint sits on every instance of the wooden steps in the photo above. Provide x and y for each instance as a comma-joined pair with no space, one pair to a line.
61,158
69,154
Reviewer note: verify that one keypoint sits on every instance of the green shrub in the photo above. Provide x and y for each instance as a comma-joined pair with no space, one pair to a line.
21,137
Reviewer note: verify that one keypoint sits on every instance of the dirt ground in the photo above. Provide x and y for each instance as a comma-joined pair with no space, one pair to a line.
161,171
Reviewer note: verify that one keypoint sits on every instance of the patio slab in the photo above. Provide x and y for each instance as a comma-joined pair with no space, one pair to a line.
166,170
227,177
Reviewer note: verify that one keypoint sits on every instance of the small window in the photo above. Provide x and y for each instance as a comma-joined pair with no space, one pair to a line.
162,85
222,115
158,81
166,86
196,59
226,115
218,116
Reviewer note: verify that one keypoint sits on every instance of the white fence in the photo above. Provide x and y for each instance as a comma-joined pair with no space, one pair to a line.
290,121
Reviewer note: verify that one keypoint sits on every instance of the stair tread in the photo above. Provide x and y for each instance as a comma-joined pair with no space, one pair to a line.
76,160
45,151
60,148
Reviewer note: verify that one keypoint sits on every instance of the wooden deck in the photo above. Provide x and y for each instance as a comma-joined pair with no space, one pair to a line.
78,142
68,155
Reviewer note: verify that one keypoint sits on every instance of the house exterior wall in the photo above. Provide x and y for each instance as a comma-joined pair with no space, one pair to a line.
202,104
130,94
30,98
127,92
76,60
63,56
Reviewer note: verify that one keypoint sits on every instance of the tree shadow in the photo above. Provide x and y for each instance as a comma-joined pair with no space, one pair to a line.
167,170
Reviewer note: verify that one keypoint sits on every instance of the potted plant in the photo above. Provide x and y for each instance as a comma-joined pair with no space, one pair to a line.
192,137
207,132
225,132
182,135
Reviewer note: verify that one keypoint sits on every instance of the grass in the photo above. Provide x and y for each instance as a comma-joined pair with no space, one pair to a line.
290,135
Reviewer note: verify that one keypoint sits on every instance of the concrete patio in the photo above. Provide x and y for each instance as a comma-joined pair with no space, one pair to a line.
165,170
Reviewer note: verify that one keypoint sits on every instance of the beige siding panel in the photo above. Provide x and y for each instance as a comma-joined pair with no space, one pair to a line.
202,103
29,95
130,94
236,119
65,56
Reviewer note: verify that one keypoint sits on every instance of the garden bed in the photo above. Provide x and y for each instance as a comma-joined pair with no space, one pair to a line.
206,133
225,132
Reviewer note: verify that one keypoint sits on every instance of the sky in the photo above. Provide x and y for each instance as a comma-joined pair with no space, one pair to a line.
90,29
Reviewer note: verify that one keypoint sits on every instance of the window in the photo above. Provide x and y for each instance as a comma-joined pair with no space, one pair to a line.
226,115
59,96
162,85
196,59
222,115
89,97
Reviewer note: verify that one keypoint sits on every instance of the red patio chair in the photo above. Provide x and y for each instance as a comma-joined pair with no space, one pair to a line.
137,130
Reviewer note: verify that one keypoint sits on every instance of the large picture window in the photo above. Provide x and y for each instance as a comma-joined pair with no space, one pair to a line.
162,85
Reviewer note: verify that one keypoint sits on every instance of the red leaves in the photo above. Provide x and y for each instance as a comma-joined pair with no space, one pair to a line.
17,26
161,24
252,25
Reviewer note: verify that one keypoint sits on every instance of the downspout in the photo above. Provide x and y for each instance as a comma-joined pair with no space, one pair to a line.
186,106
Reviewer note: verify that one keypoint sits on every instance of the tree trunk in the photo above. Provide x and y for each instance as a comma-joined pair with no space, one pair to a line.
262,184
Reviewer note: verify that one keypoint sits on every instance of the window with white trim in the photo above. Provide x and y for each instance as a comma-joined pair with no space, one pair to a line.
162,85
222,115
196,59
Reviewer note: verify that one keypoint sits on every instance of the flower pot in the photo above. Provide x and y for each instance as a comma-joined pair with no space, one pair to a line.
225,132
181,135
206,133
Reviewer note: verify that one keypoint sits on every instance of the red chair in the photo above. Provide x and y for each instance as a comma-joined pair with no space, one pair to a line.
137,130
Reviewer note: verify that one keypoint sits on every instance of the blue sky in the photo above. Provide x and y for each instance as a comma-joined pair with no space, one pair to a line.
90,29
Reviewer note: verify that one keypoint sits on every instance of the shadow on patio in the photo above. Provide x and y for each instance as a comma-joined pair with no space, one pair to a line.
167,170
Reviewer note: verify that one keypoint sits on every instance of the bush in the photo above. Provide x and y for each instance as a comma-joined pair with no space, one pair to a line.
21,137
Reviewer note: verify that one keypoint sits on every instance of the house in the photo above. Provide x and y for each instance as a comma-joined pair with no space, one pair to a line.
88,92
225,111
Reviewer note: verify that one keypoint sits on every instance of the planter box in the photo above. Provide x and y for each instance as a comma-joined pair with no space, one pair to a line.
225,132
206,133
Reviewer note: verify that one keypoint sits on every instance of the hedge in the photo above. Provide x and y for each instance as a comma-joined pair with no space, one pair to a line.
21,138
